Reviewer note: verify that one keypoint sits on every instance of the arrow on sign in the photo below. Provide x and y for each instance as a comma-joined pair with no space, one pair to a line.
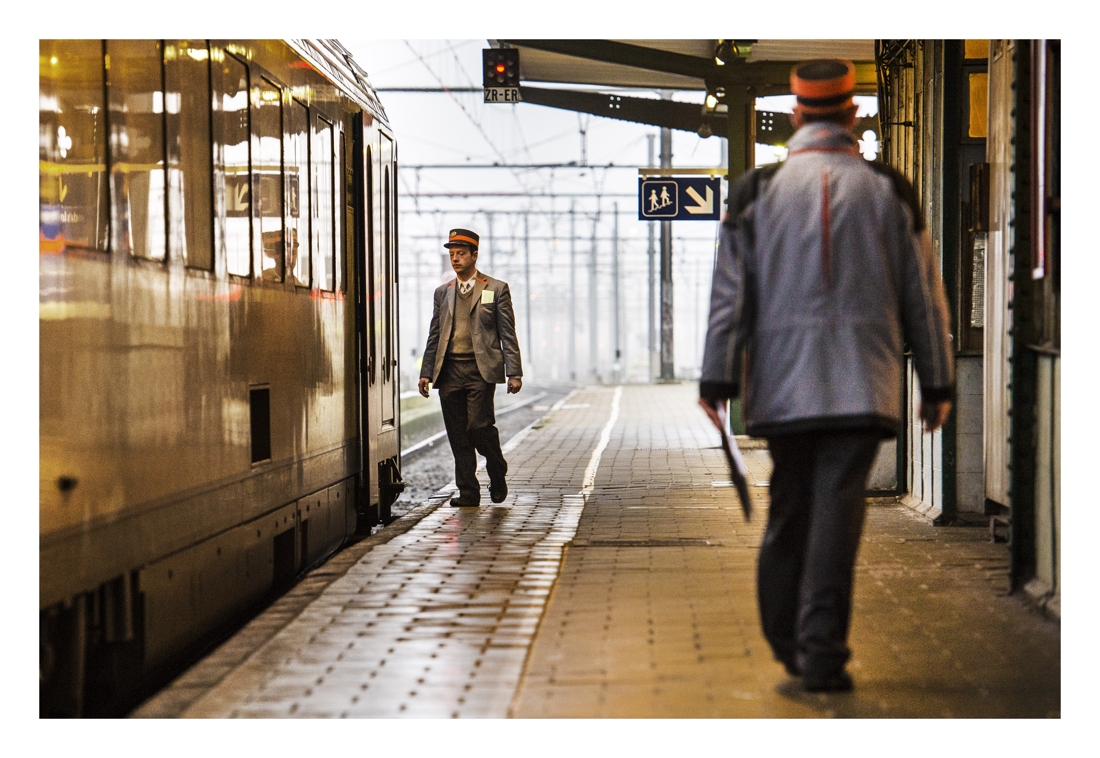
704,206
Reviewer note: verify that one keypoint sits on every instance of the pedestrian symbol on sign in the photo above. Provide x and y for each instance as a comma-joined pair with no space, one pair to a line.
661,197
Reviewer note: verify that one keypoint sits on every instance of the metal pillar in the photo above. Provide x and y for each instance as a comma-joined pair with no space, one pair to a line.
654,357
617,371
593,315
421,338
489,239
527,289
741,134
668,370
573,290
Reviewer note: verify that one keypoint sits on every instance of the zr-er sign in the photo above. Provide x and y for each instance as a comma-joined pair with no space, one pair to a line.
680,198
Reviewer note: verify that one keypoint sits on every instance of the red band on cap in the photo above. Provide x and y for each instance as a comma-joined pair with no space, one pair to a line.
462,239
816,88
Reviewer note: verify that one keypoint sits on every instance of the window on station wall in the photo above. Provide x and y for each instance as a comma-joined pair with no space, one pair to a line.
267,170
296,186
187,126
232,177
135,99
978,125
976,48
72,146
974,51
323,203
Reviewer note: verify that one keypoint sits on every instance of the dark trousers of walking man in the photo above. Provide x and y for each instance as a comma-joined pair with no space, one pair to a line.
804,575
470,419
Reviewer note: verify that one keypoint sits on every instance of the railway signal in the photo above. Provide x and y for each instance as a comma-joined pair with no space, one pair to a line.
500,74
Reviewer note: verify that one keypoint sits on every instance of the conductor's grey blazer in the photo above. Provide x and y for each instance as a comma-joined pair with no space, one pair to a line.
493,330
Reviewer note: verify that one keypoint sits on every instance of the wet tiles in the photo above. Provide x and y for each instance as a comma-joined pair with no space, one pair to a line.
436,622
635,600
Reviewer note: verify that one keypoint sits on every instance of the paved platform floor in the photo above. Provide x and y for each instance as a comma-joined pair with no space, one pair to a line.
617,581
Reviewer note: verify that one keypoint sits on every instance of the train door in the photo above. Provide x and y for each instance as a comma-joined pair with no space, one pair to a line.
388,269
364,249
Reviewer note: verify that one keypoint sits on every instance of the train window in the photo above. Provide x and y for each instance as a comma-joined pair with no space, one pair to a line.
187,117
259,402
323,206
267,170
72,146
296,173
232,178
343,201
136,122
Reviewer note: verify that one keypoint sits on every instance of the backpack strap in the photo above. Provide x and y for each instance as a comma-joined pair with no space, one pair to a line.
746,189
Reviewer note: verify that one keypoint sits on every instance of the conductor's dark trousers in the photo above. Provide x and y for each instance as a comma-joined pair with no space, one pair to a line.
470,419
807,559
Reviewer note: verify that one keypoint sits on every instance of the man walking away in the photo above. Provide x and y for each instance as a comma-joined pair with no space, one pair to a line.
824,270
471,345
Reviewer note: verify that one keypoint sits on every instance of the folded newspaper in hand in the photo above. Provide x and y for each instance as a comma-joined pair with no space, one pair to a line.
736,463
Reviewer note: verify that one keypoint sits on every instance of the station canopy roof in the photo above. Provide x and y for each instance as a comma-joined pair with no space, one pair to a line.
549,61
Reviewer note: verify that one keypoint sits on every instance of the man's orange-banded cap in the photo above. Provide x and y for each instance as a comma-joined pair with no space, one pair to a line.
462,237
823,86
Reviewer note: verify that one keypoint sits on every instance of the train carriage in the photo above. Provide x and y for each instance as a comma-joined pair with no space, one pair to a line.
218,341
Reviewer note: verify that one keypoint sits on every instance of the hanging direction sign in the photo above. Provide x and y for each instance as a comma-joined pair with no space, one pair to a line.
680,198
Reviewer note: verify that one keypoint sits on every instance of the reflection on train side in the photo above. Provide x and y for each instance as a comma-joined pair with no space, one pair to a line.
208,237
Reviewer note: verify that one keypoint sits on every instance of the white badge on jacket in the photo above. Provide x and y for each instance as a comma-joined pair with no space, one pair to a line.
486,296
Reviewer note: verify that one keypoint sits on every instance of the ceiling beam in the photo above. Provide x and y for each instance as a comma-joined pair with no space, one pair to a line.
772,76
735,73
624,54
690,117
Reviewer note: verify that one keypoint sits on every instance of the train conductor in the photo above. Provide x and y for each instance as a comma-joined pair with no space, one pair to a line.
471,346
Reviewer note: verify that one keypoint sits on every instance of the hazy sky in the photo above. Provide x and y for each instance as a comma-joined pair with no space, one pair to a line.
458,128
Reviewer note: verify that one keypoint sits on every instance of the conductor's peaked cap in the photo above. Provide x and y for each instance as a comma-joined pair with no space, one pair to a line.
823,86
461,237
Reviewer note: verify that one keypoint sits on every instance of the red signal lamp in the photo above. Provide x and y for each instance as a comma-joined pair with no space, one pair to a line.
500,67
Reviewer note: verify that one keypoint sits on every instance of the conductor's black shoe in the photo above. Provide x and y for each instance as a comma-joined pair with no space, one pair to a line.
838,682
460,502
498,491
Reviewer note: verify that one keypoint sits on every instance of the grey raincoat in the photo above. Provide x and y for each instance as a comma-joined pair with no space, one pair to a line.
824,271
